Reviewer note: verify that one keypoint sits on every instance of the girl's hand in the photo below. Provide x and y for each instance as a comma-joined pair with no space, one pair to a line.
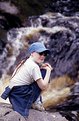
46,66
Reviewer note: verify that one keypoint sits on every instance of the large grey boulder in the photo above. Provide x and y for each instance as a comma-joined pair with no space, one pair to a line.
7,114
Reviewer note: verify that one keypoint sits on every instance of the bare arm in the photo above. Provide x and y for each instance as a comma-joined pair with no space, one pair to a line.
43,83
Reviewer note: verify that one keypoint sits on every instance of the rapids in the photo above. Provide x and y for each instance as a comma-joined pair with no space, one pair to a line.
61,35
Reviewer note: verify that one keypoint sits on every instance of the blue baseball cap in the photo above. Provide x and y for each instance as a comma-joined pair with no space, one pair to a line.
38,47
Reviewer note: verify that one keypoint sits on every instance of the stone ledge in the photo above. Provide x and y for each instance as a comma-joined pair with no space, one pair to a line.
7,114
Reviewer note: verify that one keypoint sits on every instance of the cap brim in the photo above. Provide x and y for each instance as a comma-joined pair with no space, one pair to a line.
43,50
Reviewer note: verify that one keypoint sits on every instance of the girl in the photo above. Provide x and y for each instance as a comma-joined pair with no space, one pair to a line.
28,81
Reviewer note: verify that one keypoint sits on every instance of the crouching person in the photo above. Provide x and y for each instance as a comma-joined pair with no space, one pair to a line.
28,80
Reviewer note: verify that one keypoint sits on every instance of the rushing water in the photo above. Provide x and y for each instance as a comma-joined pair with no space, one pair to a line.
61,35
58,32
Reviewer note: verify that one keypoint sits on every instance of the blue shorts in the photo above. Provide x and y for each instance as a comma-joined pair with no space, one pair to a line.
22,97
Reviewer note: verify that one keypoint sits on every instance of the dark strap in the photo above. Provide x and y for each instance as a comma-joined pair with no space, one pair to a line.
17,68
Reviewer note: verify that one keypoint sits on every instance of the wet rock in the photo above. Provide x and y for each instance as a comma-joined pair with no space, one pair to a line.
36,7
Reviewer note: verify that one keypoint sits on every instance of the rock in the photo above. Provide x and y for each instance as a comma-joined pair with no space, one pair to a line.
7,114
